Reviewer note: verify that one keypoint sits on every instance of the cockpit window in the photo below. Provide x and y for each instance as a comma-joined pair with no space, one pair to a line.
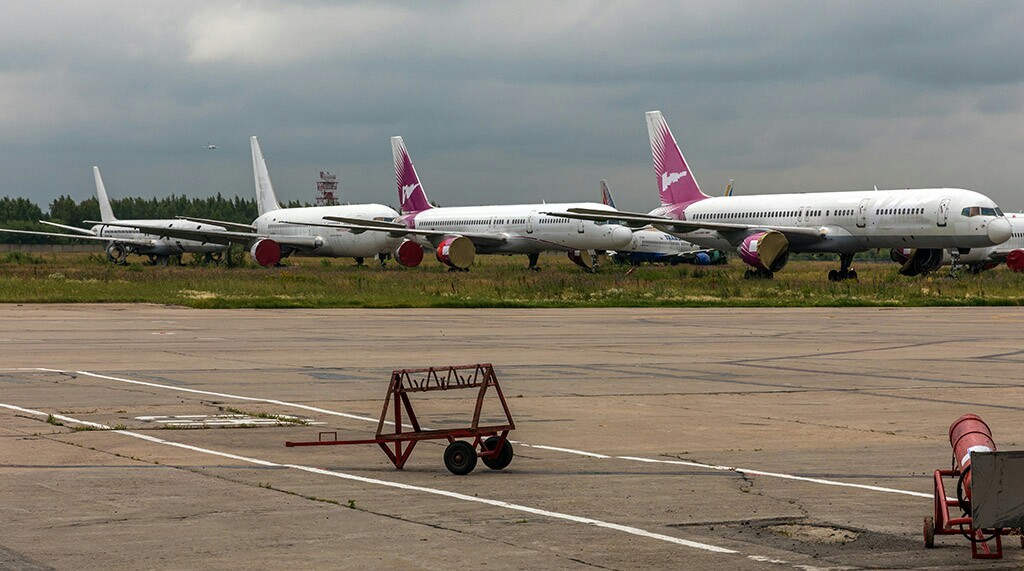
981,211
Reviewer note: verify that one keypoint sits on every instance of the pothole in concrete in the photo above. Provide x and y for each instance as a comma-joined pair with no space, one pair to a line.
227,420
814,533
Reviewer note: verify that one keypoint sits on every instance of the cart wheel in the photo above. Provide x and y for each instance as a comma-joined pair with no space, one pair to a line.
460,458
929,532
503,459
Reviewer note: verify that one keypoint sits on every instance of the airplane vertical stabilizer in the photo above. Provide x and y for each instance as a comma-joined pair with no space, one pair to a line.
411,195
676,183
266,200
106,212
606,195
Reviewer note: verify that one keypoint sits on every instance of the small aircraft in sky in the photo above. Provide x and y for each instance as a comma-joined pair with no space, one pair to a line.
211,147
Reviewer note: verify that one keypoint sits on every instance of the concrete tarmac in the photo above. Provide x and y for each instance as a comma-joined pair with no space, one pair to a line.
646,438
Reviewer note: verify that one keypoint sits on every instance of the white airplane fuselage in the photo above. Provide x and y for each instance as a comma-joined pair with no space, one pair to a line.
855,221
523,226
162,245
331,242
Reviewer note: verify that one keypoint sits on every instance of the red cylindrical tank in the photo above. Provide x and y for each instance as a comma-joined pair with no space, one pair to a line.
967,434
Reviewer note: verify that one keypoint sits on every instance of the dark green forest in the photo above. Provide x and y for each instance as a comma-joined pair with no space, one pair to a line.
23,214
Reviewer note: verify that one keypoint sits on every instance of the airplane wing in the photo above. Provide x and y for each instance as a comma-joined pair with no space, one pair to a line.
398,230
84,231
671,225
225,224
220,236
132,241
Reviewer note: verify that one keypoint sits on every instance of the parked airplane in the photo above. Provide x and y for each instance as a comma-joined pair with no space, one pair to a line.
125,237
653,246
765,228
275,235
980,259
457,234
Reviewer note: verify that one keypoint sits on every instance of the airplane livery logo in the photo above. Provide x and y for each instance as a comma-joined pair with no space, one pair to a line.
407,191
667,179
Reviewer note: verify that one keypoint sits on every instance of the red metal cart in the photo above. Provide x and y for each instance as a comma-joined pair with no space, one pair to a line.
489,443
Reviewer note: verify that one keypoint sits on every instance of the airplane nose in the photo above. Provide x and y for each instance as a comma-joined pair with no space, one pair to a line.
999,230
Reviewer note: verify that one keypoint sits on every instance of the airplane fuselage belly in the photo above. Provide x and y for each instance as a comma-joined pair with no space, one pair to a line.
525,228
852,221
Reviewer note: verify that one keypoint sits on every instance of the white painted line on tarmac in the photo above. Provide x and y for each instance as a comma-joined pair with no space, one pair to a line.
435,491
226,395
540,446
778,475
557,449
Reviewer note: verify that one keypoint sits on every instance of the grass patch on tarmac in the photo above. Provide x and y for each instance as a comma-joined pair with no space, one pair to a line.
494,281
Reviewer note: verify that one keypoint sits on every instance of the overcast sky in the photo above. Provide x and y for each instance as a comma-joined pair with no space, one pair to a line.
509,102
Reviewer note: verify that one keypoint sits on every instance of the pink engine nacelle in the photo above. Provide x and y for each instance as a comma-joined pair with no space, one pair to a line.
408,254
266,252
765,250
1015,260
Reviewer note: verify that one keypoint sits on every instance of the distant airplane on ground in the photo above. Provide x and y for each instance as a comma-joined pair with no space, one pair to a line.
765,228
457,234
980,259
275,234
125,237
653,246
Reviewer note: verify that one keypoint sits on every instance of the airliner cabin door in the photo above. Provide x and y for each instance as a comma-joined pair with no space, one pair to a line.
862,213
529,222
943,214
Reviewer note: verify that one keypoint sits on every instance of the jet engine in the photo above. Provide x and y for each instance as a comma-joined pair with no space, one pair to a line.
408,254
456,252
583,258
917,261
766,252
1015,260
621,236
266,252
116,253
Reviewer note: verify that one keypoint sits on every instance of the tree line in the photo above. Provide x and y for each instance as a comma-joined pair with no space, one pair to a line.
23,214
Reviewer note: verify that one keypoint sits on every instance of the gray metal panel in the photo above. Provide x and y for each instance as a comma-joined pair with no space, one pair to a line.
997,489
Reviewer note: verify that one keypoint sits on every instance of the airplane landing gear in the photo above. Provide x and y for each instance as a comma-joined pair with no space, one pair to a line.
845,272
359,261
758,274
383,259
533,261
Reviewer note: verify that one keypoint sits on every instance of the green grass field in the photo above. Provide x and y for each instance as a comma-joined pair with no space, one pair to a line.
494,281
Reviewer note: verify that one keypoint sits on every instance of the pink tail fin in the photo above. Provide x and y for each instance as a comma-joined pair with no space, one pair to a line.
676,183
411,195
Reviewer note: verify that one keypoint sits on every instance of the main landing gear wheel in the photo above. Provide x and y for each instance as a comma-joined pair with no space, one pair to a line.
845,272
502,459
460,458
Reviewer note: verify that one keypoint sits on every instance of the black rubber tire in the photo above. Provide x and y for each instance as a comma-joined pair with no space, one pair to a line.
503,459
460,457
852,274
833,275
